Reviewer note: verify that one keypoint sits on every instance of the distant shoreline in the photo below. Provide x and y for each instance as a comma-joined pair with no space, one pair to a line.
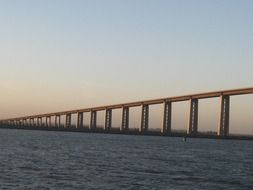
132,132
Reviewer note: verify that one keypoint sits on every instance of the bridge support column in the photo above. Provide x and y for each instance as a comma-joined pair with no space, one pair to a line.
48,121
224,116
47,124
167,118
58,121
125,119
25,123
29,122
108,119
93,120
19,123
79,120
193,117
38,122
16,123
68,121
144,118
33,120
55,121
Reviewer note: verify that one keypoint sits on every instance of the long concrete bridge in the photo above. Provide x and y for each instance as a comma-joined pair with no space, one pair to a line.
44,121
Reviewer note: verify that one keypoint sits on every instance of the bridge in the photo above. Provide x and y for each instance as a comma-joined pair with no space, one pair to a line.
44,121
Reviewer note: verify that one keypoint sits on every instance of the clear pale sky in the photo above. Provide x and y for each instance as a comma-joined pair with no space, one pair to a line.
57,55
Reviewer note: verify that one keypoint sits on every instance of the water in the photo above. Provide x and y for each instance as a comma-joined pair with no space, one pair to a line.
58,160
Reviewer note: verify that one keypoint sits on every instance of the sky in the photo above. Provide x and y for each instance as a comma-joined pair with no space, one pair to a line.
58,55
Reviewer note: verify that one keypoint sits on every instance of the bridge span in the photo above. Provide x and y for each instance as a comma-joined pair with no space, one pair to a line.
44,121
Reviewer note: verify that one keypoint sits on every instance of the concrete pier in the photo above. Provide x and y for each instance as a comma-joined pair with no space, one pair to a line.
144,118
68,121
125,119
108,119
167,118
193,117
48,121
79,120
223,129
57,121
39,121
32,123
93,119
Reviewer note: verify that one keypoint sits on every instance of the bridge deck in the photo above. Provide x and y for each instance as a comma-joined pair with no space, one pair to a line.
147,102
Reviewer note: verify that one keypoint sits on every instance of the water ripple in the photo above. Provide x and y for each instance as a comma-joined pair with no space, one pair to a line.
56,160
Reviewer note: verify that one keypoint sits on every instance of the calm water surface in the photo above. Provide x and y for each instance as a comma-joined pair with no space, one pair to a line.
58,160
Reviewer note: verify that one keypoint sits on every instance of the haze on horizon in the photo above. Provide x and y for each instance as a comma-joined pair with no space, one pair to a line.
62,55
